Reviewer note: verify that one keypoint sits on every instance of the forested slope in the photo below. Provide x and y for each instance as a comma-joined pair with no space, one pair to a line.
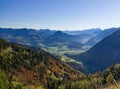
32,66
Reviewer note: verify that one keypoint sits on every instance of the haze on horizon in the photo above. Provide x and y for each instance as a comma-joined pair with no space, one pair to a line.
60,14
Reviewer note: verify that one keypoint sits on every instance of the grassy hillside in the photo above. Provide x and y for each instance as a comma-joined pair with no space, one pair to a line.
112,86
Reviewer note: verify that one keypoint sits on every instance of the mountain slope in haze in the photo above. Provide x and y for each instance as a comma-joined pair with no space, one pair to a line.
25,36
83,36
94,32
29,65
103,54
46,32
62,39
101,36
40,38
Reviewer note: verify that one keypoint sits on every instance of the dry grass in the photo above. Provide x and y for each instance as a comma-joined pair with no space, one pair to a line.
113,87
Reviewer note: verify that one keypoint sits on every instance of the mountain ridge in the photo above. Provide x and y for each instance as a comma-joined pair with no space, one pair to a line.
103,54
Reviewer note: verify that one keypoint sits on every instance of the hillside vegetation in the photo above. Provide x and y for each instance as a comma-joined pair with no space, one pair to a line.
107,79
29,66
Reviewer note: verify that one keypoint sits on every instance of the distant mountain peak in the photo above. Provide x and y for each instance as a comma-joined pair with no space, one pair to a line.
58,32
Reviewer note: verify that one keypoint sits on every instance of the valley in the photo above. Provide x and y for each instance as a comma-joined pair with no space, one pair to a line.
59,44
59,60
62,44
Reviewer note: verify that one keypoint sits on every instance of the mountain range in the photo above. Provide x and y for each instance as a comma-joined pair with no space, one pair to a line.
23,66
93,31
59,43
100,36
37,37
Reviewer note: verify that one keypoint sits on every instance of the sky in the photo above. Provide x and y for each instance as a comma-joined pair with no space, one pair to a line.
60,14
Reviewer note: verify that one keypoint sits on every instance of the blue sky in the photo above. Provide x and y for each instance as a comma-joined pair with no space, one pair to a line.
60,14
